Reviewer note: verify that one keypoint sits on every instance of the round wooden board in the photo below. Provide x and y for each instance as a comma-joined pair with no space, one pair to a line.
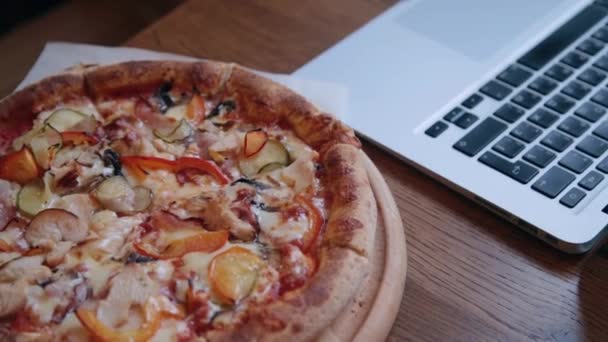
370,315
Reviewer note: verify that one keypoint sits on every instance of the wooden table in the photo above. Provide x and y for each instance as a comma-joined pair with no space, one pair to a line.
471,275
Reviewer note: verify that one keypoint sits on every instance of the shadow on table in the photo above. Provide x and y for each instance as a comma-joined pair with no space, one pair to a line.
593,295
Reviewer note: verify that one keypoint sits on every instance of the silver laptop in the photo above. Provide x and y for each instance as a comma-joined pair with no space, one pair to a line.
504,101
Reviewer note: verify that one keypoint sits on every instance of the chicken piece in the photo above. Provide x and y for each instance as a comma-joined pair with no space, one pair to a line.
79,204
8,194
132,286
28,268
217,215
12,297
50,226
112,231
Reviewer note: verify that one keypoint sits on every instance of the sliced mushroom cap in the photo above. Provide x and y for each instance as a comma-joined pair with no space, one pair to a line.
53,225
12,298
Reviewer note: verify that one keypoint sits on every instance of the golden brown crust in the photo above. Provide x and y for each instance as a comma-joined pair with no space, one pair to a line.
353,207
268,101
133,77
351,222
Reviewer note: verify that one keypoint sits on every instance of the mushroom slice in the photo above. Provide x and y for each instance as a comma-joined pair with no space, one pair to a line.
53,225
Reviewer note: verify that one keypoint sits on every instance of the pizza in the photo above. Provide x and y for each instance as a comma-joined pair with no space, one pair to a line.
186,201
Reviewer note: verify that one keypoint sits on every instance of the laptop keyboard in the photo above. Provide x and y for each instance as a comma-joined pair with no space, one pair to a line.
545,111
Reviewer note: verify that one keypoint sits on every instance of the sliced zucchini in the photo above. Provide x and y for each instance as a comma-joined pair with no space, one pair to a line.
273,152
143,198
33,197
44,145
178,134
115,194
64,119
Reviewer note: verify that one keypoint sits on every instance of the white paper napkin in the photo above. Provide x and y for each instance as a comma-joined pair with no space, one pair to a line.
57,56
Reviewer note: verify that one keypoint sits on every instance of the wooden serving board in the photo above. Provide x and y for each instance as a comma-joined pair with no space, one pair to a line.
370,315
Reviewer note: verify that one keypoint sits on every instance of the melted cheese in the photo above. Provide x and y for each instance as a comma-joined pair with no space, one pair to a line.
279,230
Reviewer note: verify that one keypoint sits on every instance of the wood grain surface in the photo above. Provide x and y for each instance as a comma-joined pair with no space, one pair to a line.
471,275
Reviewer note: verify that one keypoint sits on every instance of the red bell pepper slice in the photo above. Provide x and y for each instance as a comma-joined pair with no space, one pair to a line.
139,164
202,242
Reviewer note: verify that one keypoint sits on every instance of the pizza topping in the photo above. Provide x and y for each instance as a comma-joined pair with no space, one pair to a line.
64,119
180,133
116,194
163,97
222,108
271,156
254,142
140,165
112,159
53,225
19,166
78,138
196,242
12,297
195,111
34,197
154,309
233,274
44,145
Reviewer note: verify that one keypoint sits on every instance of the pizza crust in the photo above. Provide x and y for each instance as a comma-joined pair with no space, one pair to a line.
351,221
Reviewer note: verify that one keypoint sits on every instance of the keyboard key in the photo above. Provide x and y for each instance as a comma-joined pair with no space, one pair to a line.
572,197
472,101
603,165
509,113
601,97
602,63
465,120
543,117
556,141
480,136
591,46
560,103
576,89
518,170
496,90
508,147
574,59
601,34
592,76
526,132
559,72
555,43
602,130
592,146
515,75
437,128
543,85
454,114
590,111
553,182
573,126
526,99
575,162
591,180
539,156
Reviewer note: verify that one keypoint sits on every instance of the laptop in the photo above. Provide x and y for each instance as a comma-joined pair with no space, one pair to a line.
504,101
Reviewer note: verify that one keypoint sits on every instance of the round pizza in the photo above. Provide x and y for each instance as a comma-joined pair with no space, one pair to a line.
160,201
